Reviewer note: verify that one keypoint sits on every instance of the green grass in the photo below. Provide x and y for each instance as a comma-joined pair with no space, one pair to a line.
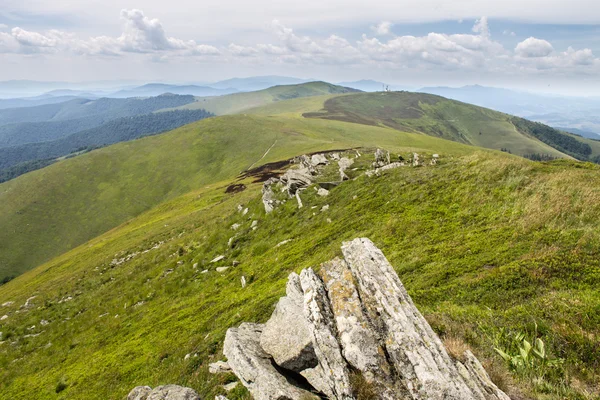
435,116
486,244
238,102
50,211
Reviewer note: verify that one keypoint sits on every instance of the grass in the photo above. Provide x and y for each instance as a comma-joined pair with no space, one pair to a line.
487,245
435,116
50,211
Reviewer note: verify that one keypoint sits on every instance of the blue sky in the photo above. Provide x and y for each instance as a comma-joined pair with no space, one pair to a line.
546,45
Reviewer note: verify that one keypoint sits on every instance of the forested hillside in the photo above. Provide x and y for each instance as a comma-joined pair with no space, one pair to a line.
118,130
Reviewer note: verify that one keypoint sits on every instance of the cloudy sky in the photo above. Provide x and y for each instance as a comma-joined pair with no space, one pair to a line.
549,45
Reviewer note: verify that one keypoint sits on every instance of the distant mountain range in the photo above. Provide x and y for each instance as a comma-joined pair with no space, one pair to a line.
156,89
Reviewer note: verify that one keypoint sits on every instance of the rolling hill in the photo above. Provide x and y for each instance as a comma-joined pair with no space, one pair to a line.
235,103
453,120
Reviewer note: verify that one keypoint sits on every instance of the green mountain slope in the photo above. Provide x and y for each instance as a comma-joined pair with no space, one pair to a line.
436,116
234,103
50,211
482,241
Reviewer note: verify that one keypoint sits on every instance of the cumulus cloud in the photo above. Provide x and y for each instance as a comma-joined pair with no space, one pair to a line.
473,51
533,47
383,28
481,27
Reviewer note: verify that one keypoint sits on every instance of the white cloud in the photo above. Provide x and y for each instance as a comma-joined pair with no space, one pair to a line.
481,27
508,33
475,52
3,27
533,47
383,28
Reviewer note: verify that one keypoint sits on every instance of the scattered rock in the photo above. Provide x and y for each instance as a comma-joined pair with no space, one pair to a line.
195,266
222,269
235,263
268,197
230,241
335,156
254,225
284,242
220,397
295,179
344,163
44,322
204,272
415,160
230,386
318,159
28,302
235,226
298,199
325,207
139,393
217,259
381,158
253,366
243,281
245,211
219,367
8,304
240,208
434,159
172,392
323,192
4,317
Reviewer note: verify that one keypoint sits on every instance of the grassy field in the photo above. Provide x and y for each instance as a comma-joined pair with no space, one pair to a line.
483,242
50,211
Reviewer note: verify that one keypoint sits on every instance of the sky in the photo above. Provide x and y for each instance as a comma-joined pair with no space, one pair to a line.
549,45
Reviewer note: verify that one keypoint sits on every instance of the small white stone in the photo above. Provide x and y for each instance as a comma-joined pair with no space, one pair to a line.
195,266
217,259
325,207
222,269
323,192
230,386
243,280
245,211
187,357
235,227
204,272
3,317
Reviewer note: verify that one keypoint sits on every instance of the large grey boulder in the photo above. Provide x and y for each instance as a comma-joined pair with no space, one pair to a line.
357,317
358,338
319,315
254,368
286,336
172,392
139,393
417,353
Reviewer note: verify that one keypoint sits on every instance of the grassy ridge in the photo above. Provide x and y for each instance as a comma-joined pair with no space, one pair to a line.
436,116
483,243
235,103
50,211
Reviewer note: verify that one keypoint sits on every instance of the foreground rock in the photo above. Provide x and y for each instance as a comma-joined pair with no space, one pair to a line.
356,317
254,368
166,392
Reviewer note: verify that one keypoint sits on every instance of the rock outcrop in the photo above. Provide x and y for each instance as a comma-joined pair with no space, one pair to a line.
355,318
166,392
